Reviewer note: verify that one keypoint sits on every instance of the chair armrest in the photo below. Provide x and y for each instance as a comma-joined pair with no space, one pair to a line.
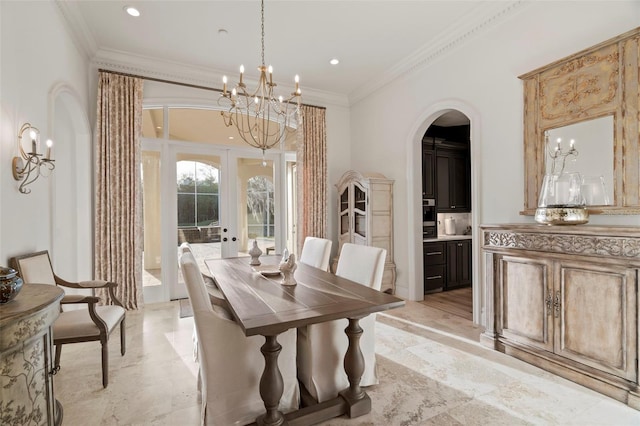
96,284
93,284
78,298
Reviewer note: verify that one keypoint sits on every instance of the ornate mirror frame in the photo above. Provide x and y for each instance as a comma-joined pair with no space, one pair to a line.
599,81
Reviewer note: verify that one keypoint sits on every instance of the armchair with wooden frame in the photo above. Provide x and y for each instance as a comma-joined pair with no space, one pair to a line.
95,323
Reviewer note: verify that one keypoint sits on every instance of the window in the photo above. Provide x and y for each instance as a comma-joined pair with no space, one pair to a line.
198,194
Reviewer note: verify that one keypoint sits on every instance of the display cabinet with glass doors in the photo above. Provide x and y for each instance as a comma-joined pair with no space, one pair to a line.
365,209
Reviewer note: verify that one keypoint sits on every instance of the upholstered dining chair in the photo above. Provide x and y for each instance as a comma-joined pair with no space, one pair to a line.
216,296
93,323
316,252
322,347
231,363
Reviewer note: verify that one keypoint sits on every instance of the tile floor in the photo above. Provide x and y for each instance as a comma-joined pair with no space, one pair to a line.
432,371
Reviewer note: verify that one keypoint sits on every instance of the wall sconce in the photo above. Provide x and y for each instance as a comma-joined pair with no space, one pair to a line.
30,165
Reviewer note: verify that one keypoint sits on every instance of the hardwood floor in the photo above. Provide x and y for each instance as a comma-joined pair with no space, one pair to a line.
456,302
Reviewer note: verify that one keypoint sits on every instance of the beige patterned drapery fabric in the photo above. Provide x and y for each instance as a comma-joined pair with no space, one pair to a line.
118,224
311,163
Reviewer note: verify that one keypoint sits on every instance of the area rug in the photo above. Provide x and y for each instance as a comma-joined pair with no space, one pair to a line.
185,308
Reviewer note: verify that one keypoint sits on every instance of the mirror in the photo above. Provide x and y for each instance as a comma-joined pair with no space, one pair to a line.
591,97
593,139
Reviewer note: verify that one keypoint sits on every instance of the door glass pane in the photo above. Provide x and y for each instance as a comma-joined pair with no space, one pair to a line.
256,209
198,205
151,274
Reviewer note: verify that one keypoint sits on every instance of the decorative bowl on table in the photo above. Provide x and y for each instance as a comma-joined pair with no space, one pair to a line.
10,284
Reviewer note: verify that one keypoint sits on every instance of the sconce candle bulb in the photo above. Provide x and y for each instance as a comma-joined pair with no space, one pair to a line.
29,166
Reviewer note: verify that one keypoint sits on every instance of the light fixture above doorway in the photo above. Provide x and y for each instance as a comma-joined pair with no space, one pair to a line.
260,117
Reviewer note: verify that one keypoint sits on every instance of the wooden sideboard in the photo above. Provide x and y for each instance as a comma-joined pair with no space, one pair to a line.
565,298
26,362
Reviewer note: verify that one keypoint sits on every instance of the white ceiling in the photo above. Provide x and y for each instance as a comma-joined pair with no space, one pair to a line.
375,40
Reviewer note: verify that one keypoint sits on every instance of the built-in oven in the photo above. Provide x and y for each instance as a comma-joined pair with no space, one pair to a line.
429,229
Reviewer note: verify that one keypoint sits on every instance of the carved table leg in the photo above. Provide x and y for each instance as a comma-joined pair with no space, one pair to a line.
359,402
271,384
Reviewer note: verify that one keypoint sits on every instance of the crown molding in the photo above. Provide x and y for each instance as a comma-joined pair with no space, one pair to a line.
77,27
145,66
468,27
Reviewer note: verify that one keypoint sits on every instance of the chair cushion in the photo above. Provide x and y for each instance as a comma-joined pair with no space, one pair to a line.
77,324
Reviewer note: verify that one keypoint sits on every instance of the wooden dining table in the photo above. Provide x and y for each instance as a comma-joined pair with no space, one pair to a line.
261,305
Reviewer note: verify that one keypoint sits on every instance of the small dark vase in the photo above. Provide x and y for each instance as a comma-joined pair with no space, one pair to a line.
10,284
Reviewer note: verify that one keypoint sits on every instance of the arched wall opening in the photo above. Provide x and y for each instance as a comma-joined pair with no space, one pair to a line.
414,166
71,185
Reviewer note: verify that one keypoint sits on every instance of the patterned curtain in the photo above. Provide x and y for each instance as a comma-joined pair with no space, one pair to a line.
118,225
311,166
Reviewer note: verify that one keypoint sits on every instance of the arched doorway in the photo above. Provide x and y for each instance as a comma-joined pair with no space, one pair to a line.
415,289
447,236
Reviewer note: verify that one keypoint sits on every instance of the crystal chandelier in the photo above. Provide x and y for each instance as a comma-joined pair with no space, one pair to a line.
260,117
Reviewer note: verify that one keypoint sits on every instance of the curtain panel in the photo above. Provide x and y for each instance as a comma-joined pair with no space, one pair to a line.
118,224
311,164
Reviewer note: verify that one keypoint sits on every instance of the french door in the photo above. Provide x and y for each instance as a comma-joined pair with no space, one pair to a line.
218,200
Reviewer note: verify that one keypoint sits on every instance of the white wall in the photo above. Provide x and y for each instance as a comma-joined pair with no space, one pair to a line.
480,77
38,55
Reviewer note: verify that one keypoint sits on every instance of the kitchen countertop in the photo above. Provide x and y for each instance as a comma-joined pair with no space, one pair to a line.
448,238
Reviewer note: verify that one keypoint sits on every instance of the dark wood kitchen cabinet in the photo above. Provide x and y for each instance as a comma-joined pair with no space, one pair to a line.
428,173
435,271
447,265
453,183
458,263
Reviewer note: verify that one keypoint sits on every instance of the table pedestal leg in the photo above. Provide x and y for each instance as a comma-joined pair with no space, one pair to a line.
271,384
359,402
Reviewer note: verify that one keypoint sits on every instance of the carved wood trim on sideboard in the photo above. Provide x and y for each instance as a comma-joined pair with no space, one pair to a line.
587,240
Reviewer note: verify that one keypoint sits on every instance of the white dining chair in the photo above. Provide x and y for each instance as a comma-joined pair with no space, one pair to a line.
316,252
231,363
216,296
321,347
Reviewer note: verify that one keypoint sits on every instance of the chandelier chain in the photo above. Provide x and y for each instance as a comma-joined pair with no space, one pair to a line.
262,39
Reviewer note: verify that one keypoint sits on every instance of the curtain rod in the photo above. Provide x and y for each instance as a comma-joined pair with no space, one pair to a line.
178,83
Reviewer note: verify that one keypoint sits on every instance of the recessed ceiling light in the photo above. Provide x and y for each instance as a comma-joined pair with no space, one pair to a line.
230,137
334,61
222,32
132,11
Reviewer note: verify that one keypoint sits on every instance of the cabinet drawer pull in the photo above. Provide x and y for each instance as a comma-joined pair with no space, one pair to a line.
435,277
432,253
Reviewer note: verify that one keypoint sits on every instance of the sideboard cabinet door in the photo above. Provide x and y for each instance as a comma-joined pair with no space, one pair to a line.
596,324
525,292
